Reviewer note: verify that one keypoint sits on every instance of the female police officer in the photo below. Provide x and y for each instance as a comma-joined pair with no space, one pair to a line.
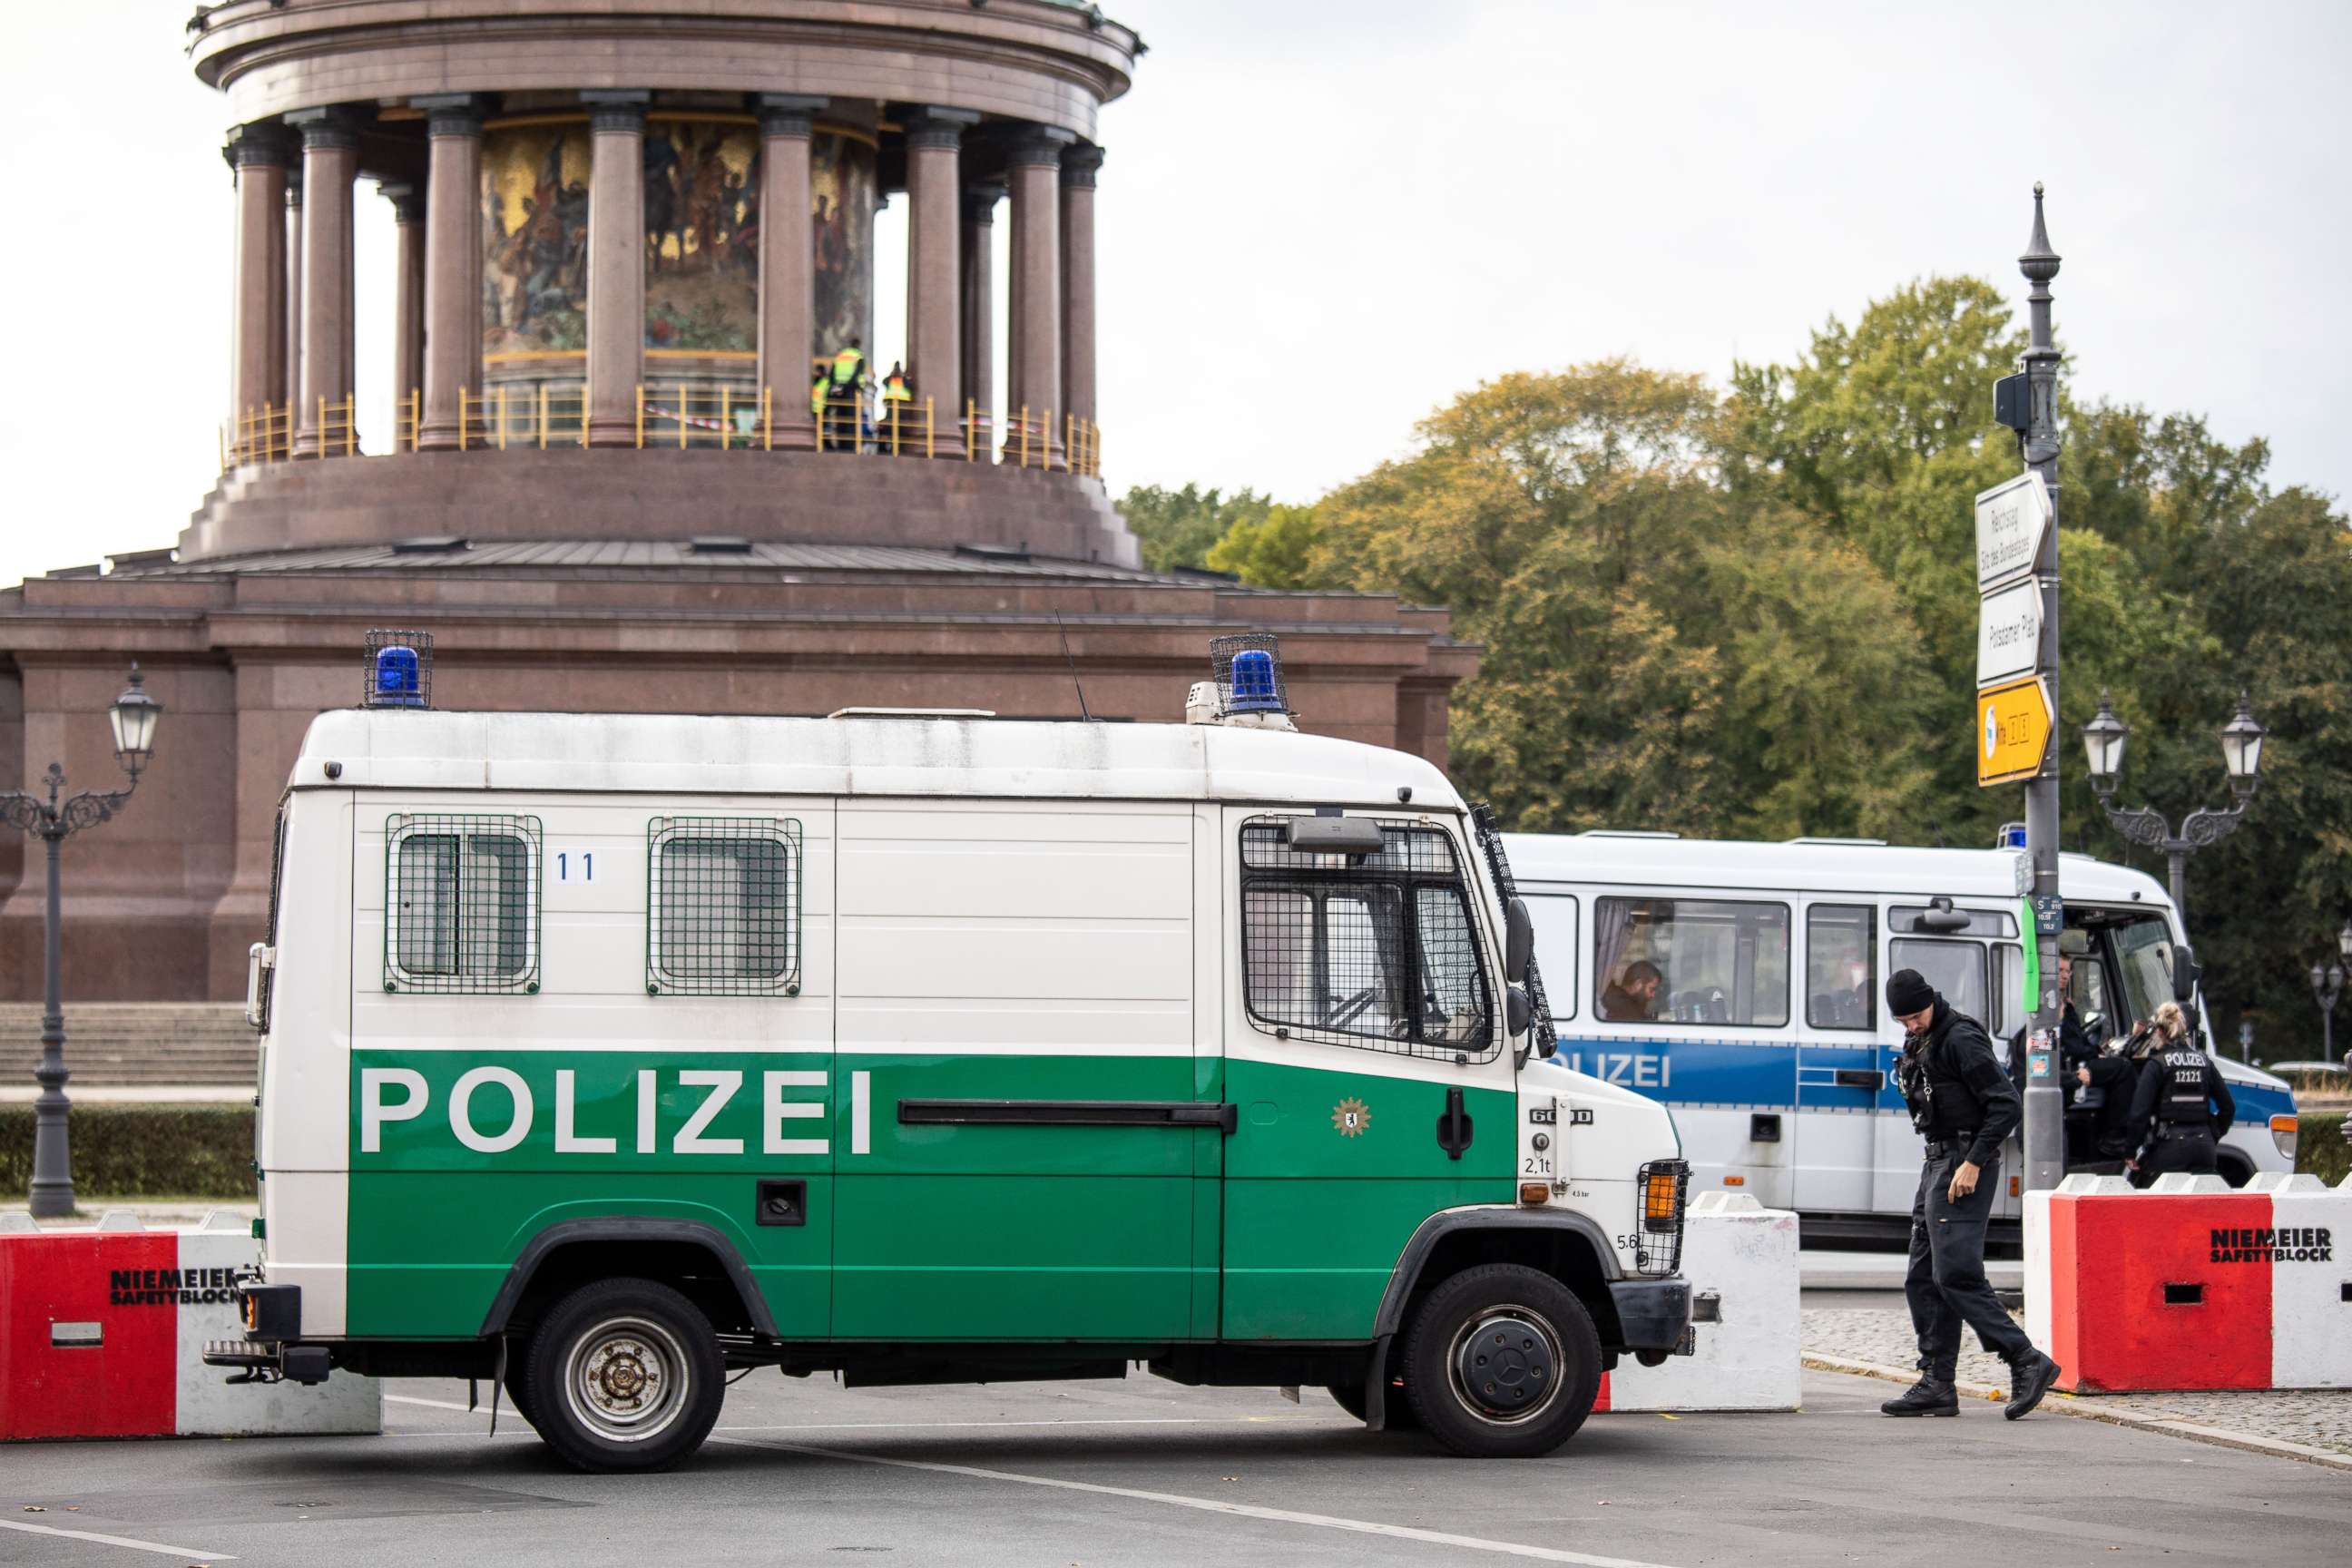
1964,1105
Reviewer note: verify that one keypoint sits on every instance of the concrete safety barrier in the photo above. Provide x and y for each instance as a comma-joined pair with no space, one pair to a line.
2190,1286
102,1332
1741,1260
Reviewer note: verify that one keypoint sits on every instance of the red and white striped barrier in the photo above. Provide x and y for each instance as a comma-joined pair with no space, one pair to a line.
2191,1286
1741,1260
101,1332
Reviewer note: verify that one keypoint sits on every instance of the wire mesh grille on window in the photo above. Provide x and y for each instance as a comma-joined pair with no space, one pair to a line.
1377,952
726,906
1658,1239
1545,1036
462,904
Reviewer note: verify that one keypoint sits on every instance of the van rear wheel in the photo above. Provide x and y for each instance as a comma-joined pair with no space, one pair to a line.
625,1375
1501,1362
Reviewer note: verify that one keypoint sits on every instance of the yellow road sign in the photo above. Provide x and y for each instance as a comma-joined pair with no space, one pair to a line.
2013,725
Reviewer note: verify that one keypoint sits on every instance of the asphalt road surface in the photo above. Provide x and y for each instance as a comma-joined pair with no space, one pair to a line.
1145,1472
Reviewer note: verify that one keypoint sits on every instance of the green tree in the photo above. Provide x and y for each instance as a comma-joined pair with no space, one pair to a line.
1274,551
1177,527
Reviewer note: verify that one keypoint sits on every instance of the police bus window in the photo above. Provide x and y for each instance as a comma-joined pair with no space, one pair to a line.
1692,960
1955,967
1841,967
2143,949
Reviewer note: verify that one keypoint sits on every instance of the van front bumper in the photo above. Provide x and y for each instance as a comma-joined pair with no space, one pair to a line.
1652,1314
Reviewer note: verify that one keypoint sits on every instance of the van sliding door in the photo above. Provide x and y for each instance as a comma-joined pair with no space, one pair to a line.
1015,988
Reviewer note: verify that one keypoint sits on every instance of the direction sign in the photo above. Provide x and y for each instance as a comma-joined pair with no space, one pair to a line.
2013,725
2008,632
2012,518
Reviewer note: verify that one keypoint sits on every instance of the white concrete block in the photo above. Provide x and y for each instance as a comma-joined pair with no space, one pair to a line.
1745,1256
212,1408
2085,1184
2311,1287
2035,1279
121,1219
16,1221
2183,1182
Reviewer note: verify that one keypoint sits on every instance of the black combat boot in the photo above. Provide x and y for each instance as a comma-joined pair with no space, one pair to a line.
1931,1395
2029,1379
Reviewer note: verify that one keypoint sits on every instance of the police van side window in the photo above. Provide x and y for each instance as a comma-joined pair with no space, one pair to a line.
722,915
1691,961
1842,966
461,904
1957,969
1378,952
2144,953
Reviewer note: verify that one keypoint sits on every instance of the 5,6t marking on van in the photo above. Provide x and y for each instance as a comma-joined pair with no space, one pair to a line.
602,1054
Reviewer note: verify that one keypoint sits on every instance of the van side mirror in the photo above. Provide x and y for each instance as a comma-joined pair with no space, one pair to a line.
2186,972
1518,1013
1518,943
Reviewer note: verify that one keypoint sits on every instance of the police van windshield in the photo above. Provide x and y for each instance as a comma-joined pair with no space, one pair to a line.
2142,950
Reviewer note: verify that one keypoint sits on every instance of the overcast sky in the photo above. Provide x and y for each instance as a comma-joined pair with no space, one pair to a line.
1318,221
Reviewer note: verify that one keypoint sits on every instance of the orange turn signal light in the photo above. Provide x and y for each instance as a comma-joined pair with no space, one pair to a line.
2012,1186
1658,1201
1735,1181
1534,1193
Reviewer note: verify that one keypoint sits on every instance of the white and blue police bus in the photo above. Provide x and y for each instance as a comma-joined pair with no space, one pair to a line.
1741,983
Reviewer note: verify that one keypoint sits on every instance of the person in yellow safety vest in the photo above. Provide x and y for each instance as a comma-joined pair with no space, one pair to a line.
897,397
847,366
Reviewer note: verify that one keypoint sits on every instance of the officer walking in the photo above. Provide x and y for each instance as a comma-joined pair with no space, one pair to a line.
2181,1100
1964,1105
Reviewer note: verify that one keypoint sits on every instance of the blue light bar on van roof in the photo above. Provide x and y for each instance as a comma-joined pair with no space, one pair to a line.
2012,837
1248,670
399,669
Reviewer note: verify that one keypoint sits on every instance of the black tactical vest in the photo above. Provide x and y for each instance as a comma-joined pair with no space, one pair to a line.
2183,1098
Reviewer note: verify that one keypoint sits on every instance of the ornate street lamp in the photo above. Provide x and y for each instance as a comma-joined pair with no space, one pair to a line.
2241,753
133,717
2327,989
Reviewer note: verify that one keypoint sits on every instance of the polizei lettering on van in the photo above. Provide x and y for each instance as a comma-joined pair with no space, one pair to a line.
605,1109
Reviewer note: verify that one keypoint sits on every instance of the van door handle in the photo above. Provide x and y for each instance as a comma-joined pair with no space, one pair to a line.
1455,1129
1870,1079
1223,1115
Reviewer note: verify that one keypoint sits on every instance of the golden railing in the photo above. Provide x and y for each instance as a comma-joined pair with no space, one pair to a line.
537,417
272,432
682,416
526,418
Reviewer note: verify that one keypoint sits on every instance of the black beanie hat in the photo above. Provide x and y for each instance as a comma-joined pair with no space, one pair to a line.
1907,992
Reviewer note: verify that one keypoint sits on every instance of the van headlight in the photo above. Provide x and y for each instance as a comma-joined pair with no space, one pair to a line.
2284,1130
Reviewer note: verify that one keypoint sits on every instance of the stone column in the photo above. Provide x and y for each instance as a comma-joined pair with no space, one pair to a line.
258,373
934,312
977,256
1035,167
330,151
787,266
407,296
617,264
453,264
1078,167
293,329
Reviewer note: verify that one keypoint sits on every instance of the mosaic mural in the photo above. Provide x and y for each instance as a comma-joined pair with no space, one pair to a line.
844,190
702,236
535,238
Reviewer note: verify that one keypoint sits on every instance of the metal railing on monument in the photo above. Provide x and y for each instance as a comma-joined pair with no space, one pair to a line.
538,418
274,432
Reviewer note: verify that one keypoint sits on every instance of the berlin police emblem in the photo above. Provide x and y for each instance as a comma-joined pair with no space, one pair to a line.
1350,1117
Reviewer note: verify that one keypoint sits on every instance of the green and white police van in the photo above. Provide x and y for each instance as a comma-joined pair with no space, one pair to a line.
602,1054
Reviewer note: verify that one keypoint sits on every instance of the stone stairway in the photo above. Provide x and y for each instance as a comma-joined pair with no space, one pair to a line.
136,1045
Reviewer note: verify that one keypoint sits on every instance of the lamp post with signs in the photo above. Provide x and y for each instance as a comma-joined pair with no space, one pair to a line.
2017,700
2327,989
133,715
2241,753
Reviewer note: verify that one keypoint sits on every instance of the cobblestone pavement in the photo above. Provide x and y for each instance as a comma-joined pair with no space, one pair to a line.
2320,1418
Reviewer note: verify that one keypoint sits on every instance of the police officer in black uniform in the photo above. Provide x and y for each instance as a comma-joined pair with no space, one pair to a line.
2182,1101
1964,1105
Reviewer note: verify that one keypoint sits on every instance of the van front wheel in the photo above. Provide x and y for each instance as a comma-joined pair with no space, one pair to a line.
625,1375
1501,1362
